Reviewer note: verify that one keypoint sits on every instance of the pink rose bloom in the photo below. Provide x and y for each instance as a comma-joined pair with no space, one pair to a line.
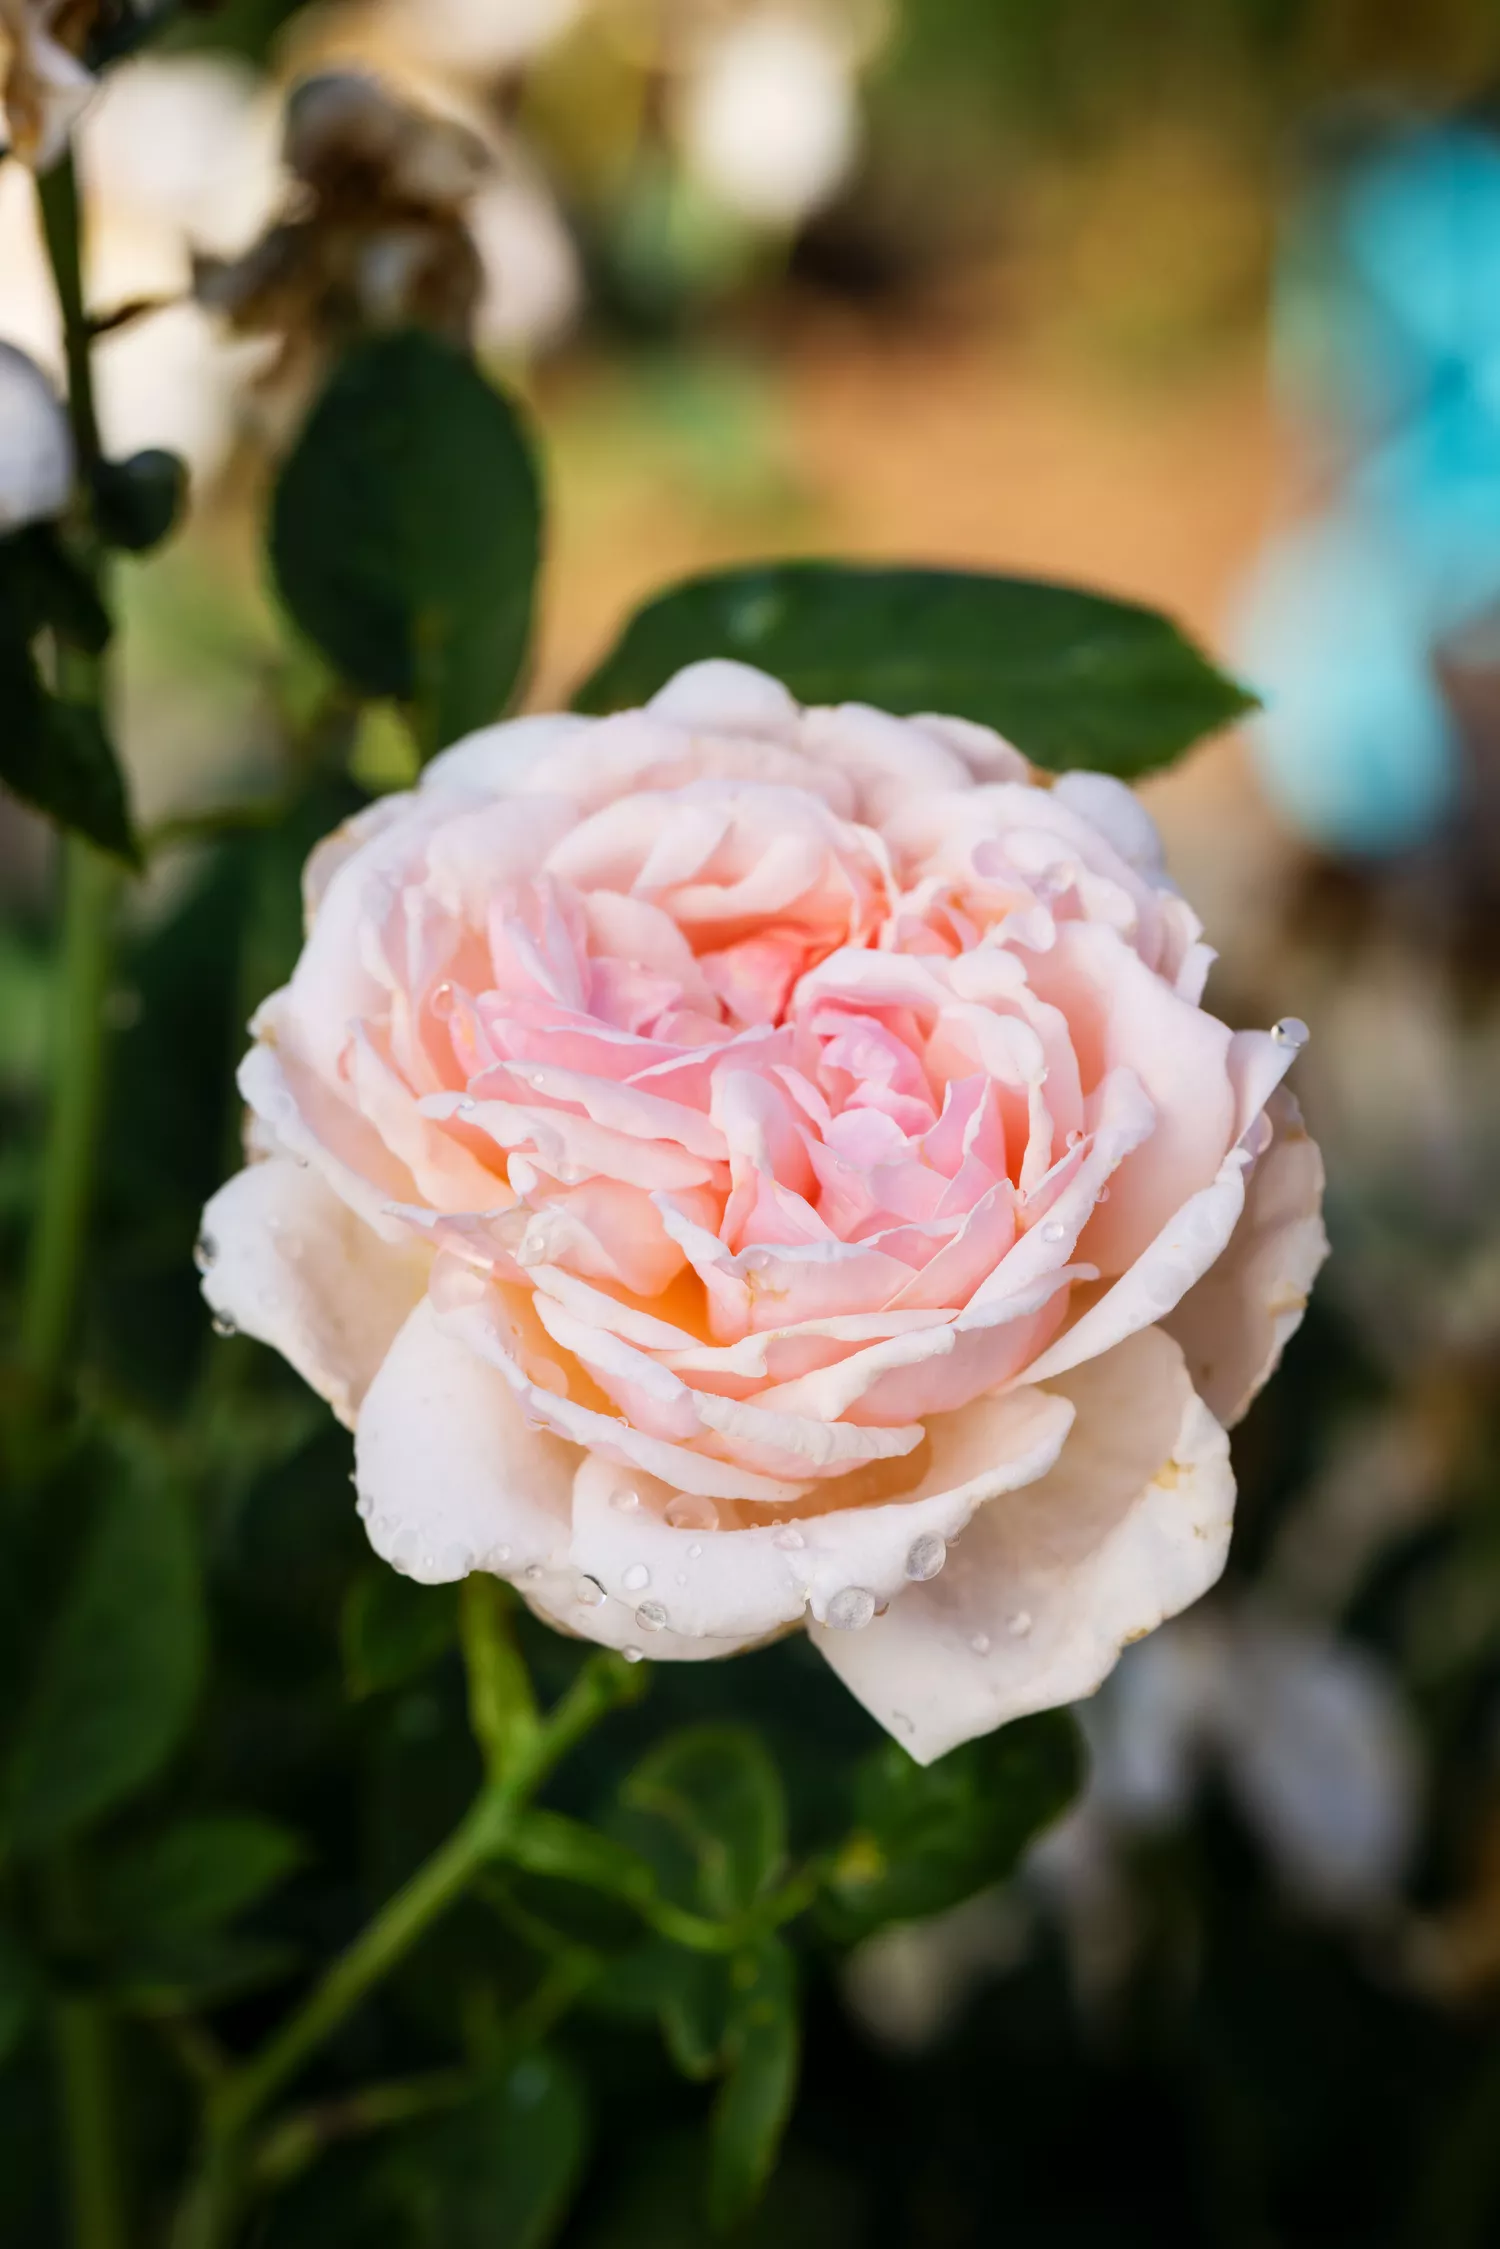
736,1166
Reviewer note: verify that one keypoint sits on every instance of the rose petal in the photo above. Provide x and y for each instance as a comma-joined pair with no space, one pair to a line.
741,1583
292,1265
1042,1592
1235,1323
450,1478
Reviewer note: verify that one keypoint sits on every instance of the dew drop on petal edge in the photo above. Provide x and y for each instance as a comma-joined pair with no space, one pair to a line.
852,1609
926,1557
223,1325
205,1252
632,1655
1291,1031
590,1592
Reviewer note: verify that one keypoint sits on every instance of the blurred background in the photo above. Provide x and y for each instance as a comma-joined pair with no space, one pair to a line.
1194,300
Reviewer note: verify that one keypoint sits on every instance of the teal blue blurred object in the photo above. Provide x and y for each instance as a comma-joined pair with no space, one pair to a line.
1355,746
1386,339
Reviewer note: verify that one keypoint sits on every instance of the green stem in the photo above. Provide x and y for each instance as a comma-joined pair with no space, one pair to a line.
209,2213
81,2040
49,1306
62,228
90,887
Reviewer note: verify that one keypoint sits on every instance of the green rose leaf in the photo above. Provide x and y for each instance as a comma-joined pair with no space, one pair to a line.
706,1808
196,1874
393,1629
1072,678
55,755
502,2169
751,2112
562,1849
405,532
18,1990
927,1837
118,1675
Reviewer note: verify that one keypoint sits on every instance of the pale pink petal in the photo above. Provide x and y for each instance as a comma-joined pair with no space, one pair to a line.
1234,1325
450,1477
719,696
292,1265
734,1583
1045,1588
498,760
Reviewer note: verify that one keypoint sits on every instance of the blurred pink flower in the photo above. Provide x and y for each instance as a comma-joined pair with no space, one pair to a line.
737,1166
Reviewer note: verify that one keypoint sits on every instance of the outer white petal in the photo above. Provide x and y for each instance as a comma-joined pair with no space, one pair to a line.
295,1267
1130,1526
1234,1325
450,1477
499,759
728,698
1119,815
733,1585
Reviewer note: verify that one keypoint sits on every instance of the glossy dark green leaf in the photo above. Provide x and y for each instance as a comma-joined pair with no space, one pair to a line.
119,1671
196,1874
138,501
751,2112
56,755
44,584
1072,678
927,1837
500,2172
393,1629
707,1808
405,532
18,1990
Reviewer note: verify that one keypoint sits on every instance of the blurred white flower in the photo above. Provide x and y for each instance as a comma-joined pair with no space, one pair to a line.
45,86
174,154
533,283
768,118
476,37
1307,1730
36,449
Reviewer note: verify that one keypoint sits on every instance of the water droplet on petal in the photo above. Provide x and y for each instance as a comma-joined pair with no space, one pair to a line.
1020,1624
467,1104
636,1578
1053,1232
852,1609
626,1500
789,1538
980,1643
442,1002
632,1655
590,1592
223,1325
651,1616
695,1550
1291,1031
532,1572
926,1557
689,1512
205,1252
1076,1137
